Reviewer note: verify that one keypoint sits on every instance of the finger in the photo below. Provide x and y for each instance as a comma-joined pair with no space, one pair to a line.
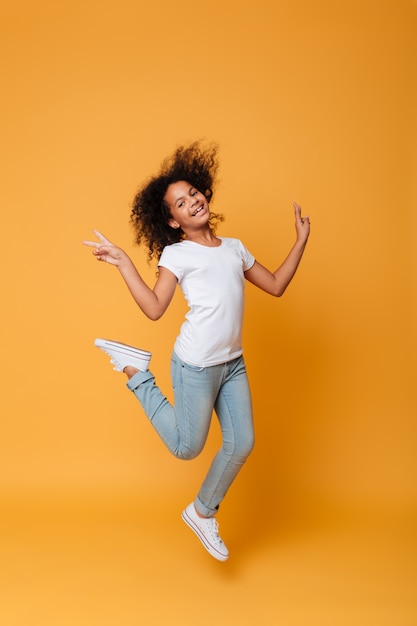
101,236
297,210
92,244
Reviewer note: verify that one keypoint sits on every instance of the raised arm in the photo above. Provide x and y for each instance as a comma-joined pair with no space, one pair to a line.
276,282
153,302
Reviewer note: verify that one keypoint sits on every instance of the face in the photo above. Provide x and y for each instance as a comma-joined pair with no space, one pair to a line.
188,206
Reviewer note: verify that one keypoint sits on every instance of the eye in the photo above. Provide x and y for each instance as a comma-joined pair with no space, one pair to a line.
194,191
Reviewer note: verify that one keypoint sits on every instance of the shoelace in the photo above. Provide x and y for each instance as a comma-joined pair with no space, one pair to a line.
214,530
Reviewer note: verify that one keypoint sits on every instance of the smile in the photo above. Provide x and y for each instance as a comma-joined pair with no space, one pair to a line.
198,210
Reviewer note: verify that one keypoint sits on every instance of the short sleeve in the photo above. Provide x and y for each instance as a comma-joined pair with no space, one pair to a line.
247,258
169,259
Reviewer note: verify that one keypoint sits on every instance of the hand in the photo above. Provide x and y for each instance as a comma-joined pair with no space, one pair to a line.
302,224
106,250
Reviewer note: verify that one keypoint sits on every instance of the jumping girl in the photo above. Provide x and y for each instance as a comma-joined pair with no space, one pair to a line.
171,216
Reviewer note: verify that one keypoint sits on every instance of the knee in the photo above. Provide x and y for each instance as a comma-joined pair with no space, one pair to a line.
246,448
239,450
187,454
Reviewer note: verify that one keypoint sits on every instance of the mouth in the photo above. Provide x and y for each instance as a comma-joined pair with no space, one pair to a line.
197,211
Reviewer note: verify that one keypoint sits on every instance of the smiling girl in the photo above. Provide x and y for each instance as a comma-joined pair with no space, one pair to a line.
172,218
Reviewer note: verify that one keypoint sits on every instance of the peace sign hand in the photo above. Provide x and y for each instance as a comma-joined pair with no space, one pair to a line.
105,250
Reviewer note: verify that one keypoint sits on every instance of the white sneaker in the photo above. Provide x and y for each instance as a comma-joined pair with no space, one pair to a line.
207,530
122,356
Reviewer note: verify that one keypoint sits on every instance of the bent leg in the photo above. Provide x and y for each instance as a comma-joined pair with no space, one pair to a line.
159,411
183,427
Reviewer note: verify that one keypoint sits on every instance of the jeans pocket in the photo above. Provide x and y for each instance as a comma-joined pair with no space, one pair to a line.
192,368
181,372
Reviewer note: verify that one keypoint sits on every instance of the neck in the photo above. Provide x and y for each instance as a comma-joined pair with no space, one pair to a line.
204,237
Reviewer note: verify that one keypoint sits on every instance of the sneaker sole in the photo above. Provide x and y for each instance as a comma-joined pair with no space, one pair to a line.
122,347
210,549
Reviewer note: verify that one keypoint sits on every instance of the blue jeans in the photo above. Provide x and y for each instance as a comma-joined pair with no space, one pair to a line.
184,427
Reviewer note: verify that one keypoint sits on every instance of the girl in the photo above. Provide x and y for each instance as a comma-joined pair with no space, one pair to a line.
171,216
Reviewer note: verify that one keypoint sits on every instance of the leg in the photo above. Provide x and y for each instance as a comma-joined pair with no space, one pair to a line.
234,410
183,427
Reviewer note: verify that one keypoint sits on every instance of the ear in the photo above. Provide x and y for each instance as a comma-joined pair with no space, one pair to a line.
173,223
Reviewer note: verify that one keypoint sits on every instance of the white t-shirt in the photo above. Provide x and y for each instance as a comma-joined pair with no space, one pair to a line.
212,281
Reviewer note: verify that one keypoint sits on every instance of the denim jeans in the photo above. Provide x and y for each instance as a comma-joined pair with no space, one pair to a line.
184,427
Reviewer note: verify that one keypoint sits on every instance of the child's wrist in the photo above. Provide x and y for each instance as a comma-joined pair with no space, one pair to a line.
124,262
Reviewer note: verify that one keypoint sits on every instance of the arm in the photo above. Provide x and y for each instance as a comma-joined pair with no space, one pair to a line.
275,283
152,302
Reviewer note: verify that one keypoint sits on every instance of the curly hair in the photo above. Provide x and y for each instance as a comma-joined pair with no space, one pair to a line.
196,164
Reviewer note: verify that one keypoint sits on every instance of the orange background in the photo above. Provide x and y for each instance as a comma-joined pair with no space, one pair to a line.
312,102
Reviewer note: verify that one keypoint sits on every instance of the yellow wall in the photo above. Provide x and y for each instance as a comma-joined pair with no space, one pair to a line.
309,101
